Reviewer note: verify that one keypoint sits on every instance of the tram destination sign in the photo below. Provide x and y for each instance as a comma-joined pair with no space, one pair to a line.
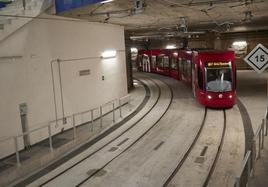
258,58
218,64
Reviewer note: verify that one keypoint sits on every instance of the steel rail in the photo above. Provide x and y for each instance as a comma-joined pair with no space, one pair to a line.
44,170
90,155
187,152
98,170
218,152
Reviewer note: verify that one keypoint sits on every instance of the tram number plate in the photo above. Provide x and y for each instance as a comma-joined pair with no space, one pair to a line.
258,58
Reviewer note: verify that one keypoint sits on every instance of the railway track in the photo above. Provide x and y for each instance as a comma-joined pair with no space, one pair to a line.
119,142
199,158
202,165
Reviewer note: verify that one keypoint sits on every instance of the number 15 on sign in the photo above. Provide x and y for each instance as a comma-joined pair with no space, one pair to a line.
258,58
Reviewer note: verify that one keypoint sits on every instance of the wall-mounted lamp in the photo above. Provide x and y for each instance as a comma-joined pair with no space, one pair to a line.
108,54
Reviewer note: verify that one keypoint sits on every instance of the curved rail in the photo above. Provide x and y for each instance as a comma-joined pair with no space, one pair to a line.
75,152
190,149
187,152
218,152
90,155
93,174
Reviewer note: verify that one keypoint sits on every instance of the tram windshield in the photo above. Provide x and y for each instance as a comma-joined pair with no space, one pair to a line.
219,79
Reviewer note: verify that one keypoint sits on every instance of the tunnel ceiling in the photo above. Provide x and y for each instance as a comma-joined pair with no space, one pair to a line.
179,17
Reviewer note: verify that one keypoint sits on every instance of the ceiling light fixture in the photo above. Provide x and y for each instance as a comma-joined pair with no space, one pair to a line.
107,1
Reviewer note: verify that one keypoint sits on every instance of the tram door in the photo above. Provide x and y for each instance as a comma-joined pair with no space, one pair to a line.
143,63
153,62
149,64
146,63
193,79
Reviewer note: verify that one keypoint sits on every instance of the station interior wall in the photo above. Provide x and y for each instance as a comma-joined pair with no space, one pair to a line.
25,74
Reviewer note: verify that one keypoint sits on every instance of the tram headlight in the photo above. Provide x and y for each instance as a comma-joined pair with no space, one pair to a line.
230,96
209,97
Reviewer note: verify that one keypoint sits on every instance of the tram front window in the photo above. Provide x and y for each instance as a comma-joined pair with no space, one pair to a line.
219,80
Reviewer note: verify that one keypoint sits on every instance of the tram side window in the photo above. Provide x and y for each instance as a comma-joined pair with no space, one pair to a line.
166,62
139,60
180,64
160,61
235,79
200,78
174,64
153,61
188,67
184,67
145,59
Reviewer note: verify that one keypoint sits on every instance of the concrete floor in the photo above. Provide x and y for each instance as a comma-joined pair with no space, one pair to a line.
157,148
140,165
252,90
39,155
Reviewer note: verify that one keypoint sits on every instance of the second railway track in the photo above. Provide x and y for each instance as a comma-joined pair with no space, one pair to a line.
198,163
169,148
93,164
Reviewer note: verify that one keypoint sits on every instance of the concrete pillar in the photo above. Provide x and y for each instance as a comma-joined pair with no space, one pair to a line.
129,69
128,62
217,42
210,39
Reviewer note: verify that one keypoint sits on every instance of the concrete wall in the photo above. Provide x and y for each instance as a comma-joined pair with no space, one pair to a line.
28,79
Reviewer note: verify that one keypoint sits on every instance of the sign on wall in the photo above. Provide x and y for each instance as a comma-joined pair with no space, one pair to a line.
65,5
258,58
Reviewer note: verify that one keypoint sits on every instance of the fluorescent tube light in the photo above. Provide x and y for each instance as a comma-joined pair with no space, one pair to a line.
107,1
108,54
171,47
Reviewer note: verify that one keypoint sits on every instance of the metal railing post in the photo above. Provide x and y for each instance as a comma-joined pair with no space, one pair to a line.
101,116
249,165
128,102
266,119
74,127
120,108
253,158
113,113
259,150
262,134
17,150
92,119
50,138
266,126
237,182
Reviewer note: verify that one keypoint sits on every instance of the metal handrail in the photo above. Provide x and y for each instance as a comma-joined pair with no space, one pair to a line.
251,156
120,103
125,97
246,162
50,123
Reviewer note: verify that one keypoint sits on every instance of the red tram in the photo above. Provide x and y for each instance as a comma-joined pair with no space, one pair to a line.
210,73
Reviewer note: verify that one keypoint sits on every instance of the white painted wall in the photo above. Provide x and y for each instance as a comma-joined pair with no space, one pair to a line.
28,79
